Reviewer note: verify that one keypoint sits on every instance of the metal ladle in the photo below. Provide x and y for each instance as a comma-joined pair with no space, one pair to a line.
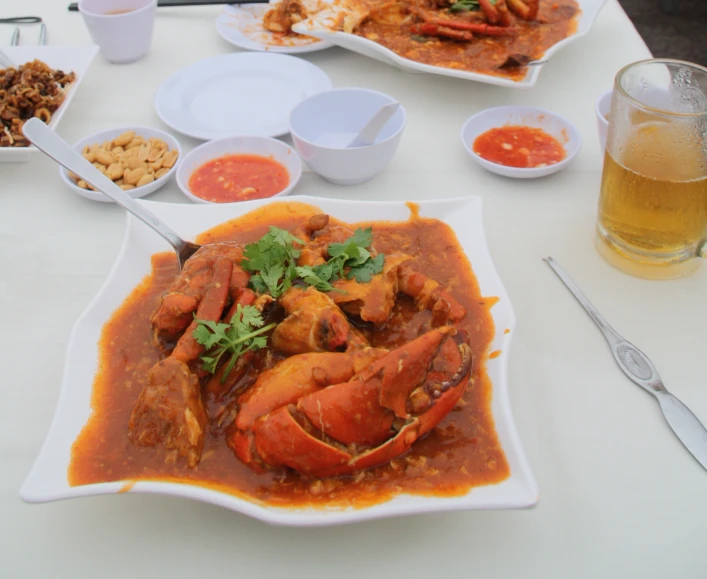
52,145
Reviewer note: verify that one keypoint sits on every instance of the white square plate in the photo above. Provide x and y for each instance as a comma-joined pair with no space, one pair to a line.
48,481
320,26
70,58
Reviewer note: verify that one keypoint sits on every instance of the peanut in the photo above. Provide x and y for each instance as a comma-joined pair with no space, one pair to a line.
169,159
133,162
136,142
144,151
132,176
115,171
126,187
156,152
144,180
104,157
124,139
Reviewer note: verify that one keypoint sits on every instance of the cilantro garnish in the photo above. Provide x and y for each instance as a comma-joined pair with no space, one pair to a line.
235,338
273,259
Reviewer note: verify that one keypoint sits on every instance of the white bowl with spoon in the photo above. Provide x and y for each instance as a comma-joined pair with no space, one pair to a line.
324,126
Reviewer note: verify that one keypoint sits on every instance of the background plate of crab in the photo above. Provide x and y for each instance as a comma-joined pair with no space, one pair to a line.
327,24
48,480
243,26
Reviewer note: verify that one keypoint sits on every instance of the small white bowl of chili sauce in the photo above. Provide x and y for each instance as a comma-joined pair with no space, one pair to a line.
520,142
239,169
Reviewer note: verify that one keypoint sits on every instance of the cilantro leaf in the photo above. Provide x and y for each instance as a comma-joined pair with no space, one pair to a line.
250,316
361,238
209,364
257,283
271,277
207,338
311,277
241,335
364,272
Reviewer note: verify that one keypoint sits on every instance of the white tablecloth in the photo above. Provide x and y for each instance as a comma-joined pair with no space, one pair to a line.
619,495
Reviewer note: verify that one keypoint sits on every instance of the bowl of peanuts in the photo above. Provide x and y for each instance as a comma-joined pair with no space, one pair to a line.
139,160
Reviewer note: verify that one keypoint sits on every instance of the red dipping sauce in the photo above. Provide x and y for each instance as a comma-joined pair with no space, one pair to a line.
238,178
519,146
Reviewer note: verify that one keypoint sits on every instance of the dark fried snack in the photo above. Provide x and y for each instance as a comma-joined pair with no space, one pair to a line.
31,90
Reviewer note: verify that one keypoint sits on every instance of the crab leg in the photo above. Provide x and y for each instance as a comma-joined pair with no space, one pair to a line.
210,308
490,11
525,9
505,16
431,29
476,28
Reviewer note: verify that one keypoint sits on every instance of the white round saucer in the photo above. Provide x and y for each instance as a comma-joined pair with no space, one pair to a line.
248,93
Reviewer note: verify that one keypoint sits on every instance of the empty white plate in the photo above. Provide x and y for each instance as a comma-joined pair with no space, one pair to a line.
238,94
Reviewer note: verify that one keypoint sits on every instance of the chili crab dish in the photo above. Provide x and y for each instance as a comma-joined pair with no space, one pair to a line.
494,38
300,360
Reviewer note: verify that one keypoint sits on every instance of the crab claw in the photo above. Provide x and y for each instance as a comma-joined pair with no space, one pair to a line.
287,382
374,417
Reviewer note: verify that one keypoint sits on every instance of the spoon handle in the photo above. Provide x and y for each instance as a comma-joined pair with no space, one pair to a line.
369,133
52,145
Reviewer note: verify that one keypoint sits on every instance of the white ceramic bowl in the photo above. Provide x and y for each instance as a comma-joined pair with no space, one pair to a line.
559,127
264,146
109,135
321,124
602,109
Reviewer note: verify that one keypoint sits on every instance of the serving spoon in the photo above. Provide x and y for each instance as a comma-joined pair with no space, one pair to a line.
52,145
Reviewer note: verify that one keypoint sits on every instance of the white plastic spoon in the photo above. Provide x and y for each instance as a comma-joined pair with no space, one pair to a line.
369,133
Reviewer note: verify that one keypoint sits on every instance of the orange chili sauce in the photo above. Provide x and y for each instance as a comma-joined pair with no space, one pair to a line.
519,146
461,453
238,178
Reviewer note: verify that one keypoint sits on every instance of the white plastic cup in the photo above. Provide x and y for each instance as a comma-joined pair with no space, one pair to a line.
121,28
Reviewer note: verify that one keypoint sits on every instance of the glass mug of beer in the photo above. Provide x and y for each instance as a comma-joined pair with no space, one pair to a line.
652,218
